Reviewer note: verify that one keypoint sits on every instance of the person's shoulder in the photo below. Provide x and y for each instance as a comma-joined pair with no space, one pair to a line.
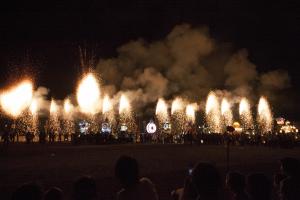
146,180
120,194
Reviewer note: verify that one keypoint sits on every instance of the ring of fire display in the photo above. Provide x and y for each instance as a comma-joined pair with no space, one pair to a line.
151,128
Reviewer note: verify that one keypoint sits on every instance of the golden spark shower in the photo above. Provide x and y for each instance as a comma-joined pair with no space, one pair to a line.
88,95
17,99
213,115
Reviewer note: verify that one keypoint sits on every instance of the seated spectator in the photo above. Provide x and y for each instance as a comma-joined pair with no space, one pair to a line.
54,193
28,191
290,186
204,184
259,187
85,189
236,183
127,171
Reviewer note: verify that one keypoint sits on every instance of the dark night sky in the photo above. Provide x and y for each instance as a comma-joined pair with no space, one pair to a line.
47,34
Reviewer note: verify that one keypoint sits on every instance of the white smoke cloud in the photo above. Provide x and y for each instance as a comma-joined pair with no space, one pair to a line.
187,63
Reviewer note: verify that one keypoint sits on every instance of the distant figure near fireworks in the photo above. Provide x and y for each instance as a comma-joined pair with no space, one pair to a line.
5,136
127,171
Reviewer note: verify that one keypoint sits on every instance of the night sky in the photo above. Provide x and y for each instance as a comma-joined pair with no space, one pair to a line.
42,38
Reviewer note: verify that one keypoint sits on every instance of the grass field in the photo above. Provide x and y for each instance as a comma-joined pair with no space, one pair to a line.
166,165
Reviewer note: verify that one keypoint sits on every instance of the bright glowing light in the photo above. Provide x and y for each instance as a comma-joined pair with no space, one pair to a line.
162,109
213,115
33,107
245,113
17,99
68,107
106,104
124,106
88,94
226,112
190,112
53,107
265,118
177,105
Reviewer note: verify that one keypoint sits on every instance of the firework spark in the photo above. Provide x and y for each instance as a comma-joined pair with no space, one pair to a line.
226,112
162,110
265,118
106,104
190,112
68,107
213,116
17,99
177,106
245,114
124,106
88,95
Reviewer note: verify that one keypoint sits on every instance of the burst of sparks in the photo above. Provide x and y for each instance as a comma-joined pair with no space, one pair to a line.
265,118
177,105
88,94
17,99
124,106
213,116
226,112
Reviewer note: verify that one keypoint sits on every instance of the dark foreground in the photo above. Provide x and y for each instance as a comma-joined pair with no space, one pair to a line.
166,165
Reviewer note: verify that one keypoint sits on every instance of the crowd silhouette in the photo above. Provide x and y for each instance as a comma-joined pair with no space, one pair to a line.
203,182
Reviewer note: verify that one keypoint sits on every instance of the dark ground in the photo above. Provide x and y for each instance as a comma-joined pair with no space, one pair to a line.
166,165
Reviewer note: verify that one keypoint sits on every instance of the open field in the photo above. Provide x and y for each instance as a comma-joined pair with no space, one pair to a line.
60,164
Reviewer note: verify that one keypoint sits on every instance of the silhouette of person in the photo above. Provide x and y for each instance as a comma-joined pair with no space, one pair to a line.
236,183
127,171
28,191
54,193
85,188
259,187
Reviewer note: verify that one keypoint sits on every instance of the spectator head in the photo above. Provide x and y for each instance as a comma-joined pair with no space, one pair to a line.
235,182
259,187
84,188
290,166
206,180
127,171
28,191
54,193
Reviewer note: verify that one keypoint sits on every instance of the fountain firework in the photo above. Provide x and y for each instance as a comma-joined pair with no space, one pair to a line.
124,106
125,113
264,118
17,99
178,115
68,121
226,112
162,111
245,114
54,125
213,115
107,109
190,112
88,95
34,116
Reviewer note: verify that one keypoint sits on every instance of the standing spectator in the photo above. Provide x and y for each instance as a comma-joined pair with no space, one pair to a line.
54,193
85,189
290,186
204,183
28,191
127,171
236,183
259,187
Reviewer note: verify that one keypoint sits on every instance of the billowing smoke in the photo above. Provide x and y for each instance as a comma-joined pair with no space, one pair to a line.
187,62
